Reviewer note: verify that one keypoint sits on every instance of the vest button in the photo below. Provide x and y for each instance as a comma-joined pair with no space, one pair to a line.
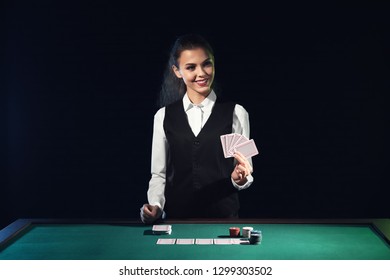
196,143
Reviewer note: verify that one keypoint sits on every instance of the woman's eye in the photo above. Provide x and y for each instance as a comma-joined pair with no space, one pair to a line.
190,68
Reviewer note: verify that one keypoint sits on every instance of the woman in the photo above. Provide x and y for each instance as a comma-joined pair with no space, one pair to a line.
191,178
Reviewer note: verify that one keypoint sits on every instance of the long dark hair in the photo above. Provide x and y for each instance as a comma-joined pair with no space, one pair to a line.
173,88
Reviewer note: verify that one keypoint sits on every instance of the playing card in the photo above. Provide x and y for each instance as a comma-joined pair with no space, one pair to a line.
234,139
229,139
223,142
238,241
230,241
222,241
204,241
166,241
248,148
185,241
162,229
244,241
237,140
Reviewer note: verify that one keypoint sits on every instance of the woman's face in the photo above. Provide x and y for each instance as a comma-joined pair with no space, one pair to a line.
196,68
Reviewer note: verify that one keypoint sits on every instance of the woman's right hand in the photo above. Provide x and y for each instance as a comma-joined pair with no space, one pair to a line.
150,213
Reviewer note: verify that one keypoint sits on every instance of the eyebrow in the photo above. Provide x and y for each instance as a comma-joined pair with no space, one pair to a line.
190,64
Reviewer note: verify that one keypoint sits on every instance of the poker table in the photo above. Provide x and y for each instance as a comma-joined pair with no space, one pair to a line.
47,239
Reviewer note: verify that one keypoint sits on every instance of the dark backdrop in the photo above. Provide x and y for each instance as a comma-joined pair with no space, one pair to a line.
81,84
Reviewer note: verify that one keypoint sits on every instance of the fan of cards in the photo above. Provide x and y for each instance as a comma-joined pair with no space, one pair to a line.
236,142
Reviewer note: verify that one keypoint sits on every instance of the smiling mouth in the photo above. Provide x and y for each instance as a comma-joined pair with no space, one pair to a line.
202,83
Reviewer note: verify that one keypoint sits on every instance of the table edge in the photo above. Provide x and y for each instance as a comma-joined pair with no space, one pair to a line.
380,226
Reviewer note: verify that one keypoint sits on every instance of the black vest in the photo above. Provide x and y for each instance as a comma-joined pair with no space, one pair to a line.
198,183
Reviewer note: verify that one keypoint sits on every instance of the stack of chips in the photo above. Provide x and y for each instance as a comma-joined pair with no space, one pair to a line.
234,231
246,232
255,237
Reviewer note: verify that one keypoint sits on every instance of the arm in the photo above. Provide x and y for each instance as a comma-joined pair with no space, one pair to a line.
156,199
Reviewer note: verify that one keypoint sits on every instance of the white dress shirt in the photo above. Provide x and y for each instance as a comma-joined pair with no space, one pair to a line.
197,116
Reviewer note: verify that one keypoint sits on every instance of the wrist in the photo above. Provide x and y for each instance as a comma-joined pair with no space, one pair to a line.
241,181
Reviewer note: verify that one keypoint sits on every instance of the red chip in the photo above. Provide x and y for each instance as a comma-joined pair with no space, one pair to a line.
234,231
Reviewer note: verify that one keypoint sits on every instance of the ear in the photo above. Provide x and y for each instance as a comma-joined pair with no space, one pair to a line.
176,71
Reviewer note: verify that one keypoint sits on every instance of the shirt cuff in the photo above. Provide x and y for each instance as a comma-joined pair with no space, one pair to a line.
156,204
246,185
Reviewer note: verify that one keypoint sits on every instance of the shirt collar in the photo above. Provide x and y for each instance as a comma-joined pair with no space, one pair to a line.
206,104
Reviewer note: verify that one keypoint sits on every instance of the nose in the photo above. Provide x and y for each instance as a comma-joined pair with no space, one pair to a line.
201,72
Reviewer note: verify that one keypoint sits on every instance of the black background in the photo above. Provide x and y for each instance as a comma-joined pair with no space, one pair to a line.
81,84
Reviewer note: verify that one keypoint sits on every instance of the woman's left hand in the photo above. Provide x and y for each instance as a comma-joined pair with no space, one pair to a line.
242,169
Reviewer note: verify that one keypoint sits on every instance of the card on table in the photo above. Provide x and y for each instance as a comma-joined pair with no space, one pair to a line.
166,241
185,241
223,241
233,142
230,241
204,241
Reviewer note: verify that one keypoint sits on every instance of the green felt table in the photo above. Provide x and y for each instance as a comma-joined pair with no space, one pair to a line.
28,239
